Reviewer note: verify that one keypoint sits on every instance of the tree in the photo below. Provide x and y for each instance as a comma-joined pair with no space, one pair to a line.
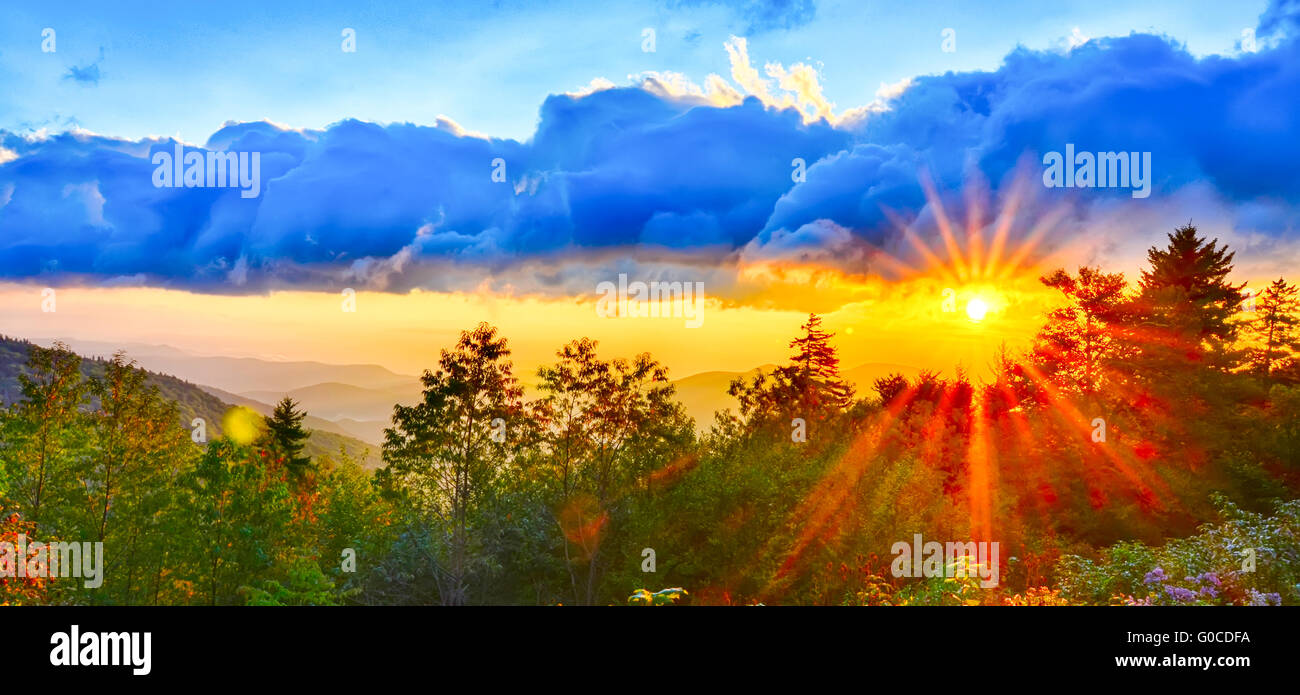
234,523
285,437
46,433
889,388
608,424
1185,304
1080,338
353,518
14,590
440,453
818,367
140,451
1275,329
809,387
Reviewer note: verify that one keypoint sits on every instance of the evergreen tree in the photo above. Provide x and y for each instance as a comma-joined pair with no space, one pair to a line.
1174,387
1275,329
819,366
1185,304
809,387
285,437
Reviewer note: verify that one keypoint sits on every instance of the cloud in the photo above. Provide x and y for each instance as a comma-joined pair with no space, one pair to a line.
87,75
1280,19
613,168
669,176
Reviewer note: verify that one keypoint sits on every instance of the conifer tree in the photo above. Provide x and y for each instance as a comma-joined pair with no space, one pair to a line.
1185,304
1276,328
816,362
286,436
810,386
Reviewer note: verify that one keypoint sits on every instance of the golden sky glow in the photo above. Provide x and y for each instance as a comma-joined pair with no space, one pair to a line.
904,322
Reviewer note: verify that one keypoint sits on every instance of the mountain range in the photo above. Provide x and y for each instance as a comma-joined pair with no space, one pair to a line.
195,401
351,404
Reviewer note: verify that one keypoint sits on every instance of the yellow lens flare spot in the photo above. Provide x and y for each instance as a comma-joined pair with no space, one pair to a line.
976,309
242,425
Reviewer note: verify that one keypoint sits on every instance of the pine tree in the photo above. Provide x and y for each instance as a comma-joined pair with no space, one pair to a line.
286,436
1185,304
1276,328
816,363
810,387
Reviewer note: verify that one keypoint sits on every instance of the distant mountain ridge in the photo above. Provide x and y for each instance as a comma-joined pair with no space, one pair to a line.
242,374
356,400
193,401
335,400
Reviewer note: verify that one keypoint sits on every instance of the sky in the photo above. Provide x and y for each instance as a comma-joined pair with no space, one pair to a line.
167,68
499,161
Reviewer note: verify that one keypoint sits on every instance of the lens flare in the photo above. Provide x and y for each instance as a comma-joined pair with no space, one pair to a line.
242,425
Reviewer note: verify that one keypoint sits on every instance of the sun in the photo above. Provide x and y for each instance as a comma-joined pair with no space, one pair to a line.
976,309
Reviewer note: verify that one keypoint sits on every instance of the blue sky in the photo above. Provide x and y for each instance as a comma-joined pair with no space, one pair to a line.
677,162
187,67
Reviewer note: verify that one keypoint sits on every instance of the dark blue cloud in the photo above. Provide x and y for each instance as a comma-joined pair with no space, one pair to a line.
610,169
627,172
1230,121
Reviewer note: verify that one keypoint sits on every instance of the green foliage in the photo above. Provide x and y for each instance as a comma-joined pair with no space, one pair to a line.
306,586
610,432
441,455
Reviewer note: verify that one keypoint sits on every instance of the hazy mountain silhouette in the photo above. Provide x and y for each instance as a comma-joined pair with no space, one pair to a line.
242,374
194,401
356,400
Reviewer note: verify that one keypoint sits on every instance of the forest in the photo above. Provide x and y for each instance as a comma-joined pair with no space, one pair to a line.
1145,449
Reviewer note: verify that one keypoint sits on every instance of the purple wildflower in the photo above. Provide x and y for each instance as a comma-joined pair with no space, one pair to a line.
1260,599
